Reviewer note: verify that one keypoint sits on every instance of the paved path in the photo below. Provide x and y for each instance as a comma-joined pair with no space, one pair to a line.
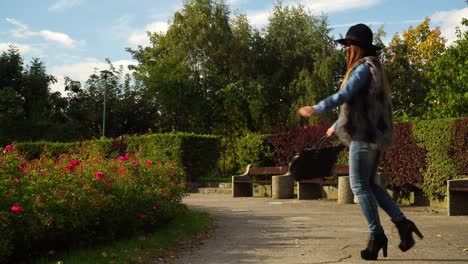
263,230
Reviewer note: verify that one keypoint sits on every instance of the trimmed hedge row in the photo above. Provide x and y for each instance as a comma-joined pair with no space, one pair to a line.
424,156
196,154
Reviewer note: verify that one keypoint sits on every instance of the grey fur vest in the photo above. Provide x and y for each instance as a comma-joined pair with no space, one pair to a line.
367,116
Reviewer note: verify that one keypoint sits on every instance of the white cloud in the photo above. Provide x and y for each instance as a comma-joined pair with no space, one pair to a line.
22,31
80,71
61,5
448,21
58,37
258,19
140,37
332,6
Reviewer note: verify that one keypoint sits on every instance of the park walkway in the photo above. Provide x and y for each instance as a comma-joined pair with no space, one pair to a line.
263,230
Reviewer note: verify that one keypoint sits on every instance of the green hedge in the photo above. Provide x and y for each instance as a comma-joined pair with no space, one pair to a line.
196,154
34,150
436,137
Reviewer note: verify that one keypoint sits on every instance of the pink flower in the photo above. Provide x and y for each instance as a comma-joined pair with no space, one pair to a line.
121,159
99,175
71,167
149,163
9,148
121,169
157,206
133,163
17,179
16,208
127,155
142,216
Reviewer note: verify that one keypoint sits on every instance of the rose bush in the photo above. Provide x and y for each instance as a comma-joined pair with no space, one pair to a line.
80,199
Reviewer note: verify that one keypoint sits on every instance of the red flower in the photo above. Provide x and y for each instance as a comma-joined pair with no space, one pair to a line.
127,155
142,216
149,163
99,175
16,208
121,159
157,206
9,148
71,167
133,163
121,169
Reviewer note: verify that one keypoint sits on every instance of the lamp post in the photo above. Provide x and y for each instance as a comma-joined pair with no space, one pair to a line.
104,74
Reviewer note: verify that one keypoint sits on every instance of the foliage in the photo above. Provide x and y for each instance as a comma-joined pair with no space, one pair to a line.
38,149
289,142
435,136
459,145
251,149
408,60
449,95
79,200
404,162
196,155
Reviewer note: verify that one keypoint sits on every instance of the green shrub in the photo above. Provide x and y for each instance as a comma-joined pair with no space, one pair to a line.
436,136
35,150
80,199
196,154
251,149
459,145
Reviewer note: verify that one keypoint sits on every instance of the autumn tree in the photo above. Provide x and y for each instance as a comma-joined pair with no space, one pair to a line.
409,58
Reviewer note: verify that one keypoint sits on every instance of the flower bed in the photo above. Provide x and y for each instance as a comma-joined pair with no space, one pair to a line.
81,200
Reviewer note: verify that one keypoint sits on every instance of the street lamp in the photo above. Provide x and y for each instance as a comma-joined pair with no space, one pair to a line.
104,74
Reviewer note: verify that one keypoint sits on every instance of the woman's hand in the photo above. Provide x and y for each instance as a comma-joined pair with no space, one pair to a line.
330,131
306,111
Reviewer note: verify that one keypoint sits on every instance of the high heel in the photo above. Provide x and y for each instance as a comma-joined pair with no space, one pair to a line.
375,243
405,230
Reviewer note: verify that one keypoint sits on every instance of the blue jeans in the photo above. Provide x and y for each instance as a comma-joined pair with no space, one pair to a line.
363,164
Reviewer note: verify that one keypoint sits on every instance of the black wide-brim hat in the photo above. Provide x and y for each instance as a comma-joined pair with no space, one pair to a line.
359,35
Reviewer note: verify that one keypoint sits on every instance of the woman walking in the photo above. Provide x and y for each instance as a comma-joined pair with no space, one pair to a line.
365,124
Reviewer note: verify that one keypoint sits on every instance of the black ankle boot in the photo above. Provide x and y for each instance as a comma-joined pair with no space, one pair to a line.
405,230
376,242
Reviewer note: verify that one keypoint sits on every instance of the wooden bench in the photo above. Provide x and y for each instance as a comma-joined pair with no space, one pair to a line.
313,188
242,185
457,197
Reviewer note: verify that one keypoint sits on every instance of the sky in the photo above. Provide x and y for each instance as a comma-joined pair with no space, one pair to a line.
74,37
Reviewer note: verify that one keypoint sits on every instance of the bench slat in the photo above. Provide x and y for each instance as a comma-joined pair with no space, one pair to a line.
268,170
459,189
340,170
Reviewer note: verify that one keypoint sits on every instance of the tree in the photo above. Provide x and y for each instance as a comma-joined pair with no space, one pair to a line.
449,78
408,61
186,68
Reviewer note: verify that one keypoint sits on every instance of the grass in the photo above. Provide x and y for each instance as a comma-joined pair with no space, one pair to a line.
141,249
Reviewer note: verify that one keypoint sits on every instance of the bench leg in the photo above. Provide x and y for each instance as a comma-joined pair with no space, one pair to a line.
242,189
457,200
309,191
345,194
282,187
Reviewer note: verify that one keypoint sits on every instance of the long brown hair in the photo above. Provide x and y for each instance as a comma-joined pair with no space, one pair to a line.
353,54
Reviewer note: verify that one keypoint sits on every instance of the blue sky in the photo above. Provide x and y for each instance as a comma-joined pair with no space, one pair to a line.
73,37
